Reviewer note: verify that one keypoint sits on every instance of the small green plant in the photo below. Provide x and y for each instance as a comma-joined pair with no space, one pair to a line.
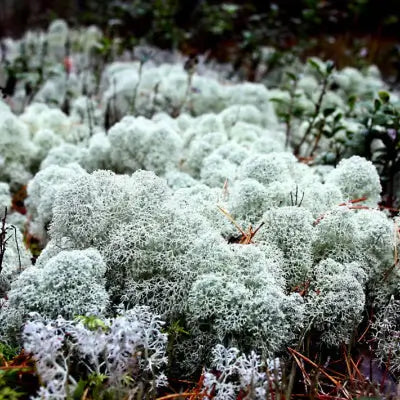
92,322
7,352
6,391
381,123
94,386
17,374
174,331
287,110
327,126
324,72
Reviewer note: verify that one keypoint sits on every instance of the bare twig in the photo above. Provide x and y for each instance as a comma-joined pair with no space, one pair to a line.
337,383
3,239
17,246
290,112
296,202
89,114
231,219
245,237
315,115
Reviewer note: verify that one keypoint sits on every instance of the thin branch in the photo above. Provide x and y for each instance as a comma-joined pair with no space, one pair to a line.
3,239
232,220
17,246
290,112
316,113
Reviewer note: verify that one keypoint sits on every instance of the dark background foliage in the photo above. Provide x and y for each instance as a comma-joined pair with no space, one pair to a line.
343,30
334,16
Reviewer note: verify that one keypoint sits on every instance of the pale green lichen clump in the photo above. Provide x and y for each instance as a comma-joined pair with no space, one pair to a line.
168,248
